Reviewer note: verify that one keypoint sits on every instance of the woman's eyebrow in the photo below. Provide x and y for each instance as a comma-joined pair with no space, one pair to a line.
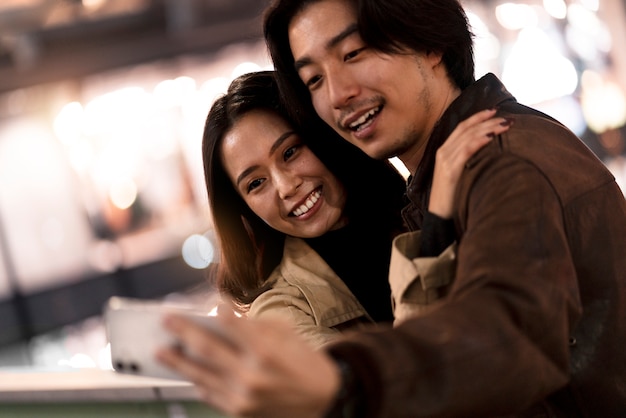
279,141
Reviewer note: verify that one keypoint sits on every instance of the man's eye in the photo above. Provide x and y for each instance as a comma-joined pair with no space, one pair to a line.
352,54
254,184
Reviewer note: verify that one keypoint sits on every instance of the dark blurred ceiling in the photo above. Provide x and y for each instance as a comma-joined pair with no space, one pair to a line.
44,41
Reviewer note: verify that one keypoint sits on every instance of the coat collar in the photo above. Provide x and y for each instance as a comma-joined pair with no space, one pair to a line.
330,299
486,93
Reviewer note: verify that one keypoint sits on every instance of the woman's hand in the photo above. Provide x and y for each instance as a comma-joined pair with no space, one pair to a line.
468,137
252,367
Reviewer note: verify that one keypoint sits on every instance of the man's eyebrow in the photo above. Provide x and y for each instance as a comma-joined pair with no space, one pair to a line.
273,149
332,42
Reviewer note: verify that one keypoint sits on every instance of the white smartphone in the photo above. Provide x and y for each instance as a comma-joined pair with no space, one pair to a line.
135,332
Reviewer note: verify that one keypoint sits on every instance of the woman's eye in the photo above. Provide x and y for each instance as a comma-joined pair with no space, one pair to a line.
311,82
289,152
254,184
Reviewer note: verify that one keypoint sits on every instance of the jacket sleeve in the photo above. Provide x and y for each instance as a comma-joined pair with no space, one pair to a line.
418,282
287,303
498,341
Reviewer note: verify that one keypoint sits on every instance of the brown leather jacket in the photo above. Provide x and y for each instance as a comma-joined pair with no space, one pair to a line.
534,322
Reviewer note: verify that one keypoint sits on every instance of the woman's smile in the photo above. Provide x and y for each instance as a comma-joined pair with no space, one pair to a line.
311,200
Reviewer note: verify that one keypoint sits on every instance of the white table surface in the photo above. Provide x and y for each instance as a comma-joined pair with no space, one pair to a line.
71,385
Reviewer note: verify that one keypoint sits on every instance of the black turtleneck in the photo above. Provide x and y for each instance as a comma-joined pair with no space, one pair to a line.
359,255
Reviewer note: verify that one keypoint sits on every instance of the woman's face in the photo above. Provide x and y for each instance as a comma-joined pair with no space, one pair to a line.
280,178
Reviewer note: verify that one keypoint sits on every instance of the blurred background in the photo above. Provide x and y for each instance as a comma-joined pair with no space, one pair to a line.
102,106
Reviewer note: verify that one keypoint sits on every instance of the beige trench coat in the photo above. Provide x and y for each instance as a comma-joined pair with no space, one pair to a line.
307,293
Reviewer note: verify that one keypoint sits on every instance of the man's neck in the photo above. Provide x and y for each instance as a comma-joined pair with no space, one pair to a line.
413,159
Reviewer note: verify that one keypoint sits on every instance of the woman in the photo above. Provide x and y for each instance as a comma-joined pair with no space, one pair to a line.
304,219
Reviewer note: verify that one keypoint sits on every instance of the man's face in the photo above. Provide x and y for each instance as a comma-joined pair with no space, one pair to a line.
381,103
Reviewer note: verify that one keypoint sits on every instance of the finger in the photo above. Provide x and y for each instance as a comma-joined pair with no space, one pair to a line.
480,135
473,120
233,390
175,359
476,131
205,342
209,384
477,117
198,371
481,119
461,145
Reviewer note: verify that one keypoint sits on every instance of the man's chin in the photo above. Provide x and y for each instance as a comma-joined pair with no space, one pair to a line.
377,153
366,146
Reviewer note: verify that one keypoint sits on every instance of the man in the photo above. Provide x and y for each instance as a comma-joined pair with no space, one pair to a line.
533,322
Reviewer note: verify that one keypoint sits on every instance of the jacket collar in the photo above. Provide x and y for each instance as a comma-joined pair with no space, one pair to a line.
330,299
486,93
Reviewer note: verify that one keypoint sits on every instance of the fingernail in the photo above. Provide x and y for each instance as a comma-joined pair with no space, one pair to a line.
508,121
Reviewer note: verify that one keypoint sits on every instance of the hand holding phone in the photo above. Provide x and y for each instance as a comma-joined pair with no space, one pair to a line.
135,332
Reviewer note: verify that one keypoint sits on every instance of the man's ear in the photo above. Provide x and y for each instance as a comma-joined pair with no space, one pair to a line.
434,58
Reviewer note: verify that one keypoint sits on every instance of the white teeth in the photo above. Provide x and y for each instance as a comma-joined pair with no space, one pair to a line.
304,208
363,118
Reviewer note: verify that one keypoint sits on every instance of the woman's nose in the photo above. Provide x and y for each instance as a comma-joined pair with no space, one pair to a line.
287,185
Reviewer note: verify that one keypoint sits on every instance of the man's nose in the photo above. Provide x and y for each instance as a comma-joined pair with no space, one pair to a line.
341,89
